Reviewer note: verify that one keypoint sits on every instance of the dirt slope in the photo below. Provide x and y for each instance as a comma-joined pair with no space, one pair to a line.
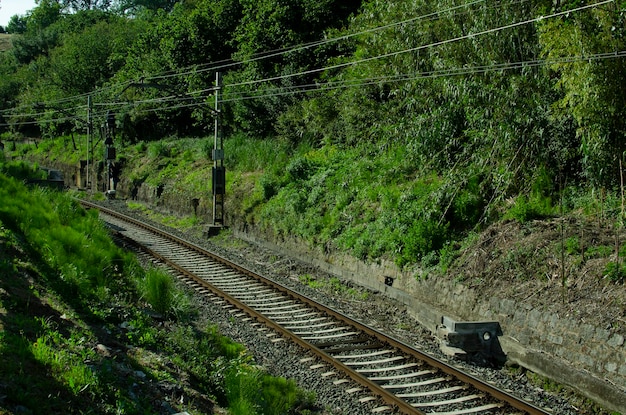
565,266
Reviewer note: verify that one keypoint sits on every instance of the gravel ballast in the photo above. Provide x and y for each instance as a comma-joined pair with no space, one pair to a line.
284,359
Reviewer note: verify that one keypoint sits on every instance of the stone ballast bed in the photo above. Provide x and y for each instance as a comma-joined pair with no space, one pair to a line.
590,359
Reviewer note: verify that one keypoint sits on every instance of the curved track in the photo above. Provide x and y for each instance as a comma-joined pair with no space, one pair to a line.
402,377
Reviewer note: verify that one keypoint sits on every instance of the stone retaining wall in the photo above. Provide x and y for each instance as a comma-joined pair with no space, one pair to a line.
591,360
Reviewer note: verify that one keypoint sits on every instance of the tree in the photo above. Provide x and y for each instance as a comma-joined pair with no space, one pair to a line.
133,6
76,5
82,64
592,91
43,16
17,24
271,25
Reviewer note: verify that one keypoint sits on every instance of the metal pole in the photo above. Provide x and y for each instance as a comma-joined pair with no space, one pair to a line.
217,109
88,139
218,160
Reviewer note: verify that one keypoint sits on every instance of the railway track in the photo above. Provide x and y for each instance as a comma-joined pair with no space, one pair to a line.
404,379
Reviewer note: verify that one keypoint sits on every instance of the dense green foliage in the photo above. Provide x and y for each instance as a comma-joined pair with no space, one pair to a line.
430,119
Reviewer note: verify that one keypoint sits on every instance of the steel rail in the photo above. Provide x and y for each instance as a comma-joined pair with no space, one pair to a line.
384,394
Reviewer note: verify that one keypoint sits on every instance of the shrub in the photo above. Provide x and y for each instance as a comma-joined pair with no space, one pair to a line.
422,238
22,171
301,168
615,272
526,209
158,290
158,149
269,186
468,206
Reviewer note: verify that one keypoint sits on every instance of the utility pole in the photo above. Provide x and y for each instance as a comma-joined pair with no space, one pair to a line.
89,132
109,153
219,171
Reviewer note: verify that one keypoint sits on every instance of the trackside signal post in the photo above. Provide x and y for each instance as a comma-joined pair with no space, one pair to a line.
89,132
109,153
219,171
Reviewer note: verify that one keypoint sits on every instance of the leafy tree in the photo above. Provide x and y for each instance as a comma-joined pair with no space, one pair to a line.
44,15
192,35
39,36
83,63
592,91
17,24
133,6
76,5
271,25
9,84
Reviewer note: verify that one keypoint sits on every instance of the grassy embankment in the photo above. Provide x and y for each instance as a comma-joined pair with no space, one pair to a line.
85,329
5,42
372,206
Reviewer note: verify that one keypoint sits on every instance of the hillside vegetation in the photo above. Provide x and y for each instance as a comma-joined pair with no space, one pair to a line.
391,130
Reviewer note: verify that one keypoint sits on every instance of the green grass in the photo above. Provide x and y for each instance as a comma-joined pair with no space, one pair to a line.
183,223
335,286
158,289
5,42
275,396
66,288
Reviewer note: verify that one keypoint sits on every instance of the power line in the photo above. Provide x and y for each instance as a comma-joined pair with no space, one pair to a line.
298,89
266,55
282,51
418,48
356,82
60,101
309,88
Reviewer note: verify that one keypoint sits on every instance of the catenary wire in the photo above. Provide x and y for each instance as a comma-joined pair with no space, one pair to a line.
289,50
359,83
390,54
317,87
422,47
292,49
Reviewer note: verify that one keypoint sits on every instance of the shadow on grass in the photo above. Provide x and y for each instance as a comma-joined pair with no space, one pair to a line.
31,296
26,385
28,287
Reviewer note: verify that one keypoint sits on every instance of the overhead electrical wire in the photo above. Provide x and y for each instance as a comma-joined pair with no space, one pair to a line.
277,52
51,104
309,88
321,87
422,47
266,55
474,70
292,49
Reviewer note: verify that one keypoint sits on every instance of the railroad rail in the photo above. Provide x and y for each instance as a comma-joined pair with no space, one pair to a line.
404,378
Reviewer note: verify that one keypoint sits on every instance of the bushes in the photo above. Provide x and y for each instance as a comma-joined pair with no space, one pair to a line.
422,238
525,209
253,392
22,171
157,289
